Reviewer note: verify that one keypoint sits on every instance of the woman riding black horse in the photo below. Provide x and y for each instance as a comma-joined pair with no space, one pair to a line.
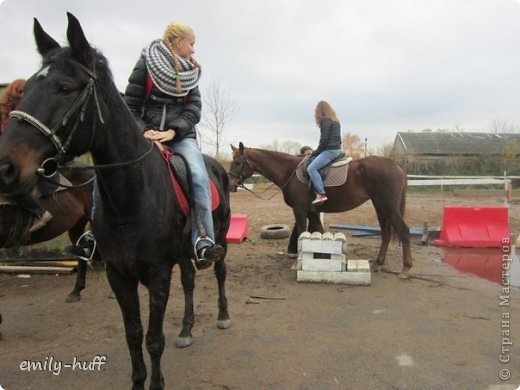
72,106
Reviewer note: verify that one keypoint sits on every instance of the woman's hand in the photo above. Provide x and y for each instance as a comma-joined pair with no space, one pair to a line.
160,136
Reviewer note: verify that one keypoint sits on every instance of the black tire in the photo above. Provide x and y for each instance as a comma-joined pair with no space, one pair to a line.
274,231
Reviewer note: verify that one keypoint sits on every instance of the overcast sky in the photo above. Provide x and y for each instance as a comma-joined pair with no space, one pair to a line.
385,65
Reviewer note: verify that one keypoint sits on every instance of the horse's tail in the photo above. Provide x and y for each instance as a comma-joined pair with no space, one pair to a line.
402,205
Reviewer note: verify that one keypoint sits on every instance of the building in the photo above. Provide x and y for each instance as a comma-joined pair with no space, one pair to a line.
457,152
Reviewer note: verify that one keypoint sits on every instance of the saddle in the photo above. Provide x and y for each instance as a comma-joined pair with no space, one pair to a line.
45,188
19,232
179,175
333,174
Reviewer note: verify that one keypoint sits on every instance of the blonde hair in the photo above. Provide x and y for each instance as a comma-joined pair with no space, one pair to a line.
324,110
181,31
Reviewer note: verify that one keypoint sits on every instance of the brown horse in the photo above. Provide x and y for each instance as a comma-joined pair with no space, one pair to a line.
71,209
379,179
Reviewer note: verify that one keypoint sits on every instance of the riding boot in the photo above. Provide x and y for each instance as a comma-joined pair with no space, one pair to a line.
209,254
40,222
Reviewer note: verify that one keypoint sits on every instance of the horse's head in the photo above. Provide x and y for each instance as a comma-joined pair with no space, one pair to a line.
59,111
240,168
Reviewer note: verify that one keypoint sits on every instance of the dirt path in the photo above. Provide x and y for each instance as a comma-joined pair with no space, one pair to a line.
440,330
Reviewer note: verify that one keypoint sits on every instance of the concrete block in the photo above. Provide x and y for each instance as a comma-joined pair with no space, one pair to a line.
327,236
322,246
358,266
319,255
351,278
310,264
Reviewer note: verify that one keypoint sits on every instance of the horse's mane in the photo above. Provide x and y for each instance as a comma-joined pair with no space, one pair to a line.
9,100
102,68
276,154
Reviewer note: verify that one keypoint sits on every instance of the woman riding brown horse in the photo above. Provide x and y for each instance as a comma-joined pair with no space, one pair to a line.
379,179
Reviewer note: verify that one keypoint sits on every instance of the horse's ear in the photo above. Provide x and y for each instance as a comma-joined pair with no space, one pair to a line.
44,42
233,148
241,147
78,43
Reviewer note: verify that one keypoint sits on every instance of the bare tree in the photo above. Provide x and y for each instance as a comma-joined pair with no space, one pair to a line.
291,147
384,150
352,145
218,110
500,126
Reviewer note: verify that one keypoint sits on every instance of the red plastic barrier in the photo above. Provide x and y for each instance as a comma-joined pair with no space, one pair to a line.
238,229
474,227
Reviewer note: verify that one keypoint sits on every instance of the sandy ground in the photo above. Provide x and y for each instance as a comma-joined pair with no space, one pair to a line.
442,329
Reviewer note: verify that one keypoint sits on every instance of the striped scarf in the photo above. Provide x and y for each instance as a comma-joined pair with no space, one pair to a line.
161,66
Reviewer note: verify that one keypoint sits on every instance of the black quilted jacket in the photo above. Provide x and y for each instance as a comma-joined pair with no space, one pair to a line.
180,113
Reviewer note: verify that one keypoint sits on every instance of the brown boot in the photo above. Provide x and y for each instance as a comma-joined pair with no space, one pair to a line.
40,222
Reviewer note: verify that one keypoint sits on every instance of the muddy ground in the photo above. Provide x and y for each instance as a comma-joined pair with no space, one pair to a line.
442,329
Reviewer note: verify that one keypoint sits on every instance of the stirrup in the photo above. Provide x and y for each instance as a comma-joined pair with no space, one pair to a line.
197,258
87,242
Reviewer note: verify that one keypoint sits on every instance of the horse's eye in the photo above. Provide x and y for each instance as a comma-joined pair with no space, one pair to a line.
65,88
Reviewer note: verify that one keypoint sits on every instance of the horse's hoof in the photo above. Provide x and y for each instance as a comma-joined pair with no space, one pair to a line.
376,267
183,342
112,295
73,298
404,275
224,324
292,255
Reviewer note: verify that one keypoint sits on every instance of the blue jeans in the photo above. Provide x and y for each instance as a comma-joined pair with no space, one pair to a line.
189,148
320,161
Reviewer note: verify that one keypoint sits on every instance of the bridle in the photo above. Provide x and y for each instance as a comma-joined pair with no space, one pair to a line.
50,166
79,105
241,178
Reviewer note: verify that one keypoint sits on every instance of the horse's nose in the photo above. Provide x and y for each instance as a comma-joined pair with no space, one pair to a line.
8,174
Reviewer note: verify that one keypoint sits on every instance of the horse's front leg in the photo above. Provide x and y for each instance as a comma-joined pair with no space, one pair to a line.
128,299
74,234
300,221
159,289
223,320
315,224
75,294
185,339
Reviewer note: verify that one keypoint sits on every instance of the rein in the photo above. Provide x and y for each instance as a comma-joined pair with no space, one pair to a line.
62,168
48,172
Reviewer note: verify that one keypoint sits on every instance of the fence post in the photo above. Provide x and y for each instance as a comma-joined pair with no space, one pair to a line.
509,192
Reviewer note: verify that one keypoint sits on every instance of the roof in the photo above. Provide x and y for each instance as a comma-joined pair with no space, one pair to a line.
455,143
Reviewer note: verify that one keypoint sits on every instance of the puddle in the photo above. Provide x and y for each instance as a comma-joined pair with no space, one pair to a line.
489,263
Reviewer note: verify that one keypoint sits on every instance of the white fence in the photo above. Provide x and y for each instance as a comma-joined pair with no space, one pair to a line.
420,180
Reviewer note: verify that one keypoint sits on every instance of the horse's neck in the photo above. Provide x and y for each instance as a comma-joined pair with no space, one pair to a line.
276,167
122,142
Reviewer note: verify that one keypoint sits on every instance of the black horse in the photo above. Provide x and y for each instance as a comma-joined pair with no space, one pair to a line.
71,106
